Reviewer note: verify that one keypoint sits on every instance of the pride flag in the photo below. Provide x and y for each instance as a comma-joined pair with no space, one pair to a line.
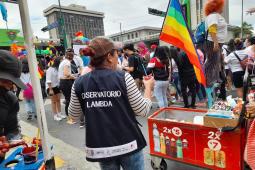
175,32
40,73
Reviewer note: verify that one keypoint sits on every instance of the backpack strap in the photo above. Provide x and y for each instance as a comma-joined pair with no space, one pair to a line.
237,56
228,52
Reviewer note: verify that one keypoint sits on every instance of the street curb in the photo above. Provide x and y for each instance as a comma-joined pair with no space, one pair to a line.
73,157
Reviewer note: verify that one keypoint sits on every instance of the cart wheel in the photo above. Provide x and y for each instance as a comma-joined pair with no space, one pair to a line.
163,165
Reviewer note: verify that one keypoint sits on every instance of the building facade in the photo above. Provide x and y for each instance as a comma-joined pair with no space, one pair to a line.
136,34
76,18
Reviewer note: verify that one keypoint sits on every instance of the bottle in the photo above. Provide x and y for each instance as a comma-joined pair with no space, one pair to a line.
208,156
173,148
162,144
156,139
168,146
220,159
179,148
185,143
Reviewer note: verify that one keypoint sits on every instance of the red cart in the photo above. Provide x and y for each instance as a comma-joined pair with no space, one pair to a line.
172,135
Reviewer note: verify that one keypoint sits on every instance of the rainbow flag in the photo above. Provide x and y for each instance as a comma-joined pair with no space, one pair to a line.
40,73
175,32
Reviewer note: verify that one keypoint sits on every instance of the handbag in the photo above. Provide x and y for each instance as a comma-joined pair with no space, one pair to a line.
28,92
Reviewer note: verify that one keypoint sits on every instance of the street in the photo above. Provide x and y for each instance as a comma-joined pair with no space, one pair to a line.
71,137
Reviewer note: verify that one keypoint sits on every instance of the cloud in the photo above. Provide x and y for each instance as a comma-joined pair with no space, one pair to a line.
235,12
130,15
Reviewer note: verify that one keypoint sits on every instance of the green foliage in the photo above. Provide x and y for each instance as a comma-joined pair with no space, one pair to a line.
247,30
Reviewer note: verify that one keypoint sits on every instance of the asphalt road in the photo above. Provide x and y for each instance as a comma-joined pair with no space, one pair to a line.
73,135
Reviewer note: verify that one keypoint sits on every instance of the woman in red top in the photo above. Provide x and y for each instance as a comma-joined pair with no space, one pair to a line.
159,67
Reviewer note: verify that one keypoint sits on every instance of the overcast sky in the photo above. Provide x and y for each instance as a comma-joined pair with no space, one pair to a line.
131,13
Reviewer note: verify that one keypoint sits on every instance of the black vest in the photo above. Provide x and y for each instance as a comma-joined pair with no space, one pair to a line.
111,126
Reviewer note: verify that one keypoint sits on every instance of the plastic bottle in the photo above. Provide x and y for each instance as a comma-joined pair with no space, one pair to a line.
185,143
162,144
179,148
173,148
168,146
156,139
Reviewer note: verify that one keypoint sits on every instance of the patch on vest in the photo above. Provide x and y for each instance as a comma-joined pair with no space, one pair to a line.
99,104
101,94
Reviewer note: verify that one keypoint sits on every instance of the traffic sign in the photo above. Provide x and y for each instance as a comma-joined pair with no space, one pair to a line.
156,12
51,26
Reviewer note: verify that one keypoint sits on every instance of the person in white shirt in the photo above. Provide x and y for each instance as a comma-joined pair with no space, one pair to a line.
217,33
226,50
250,47
67,73
234,64
28,92
79,63
52,87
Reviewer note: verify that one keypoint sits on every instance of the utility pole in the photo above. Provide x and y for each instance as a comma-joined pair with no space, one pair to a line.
37,91
242,22
62,26
121,37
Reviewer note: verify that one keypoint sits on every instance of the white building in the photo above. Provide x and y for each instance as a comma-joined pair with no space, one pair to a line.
136,34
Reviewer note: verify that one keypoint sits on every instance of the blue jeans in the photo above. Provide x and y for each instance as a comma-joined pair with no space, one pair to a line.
176,82
160,91
130,162
30,105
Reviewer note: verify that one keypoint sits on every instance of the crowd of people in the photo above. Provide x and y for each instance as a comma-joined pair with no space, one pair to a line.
108,86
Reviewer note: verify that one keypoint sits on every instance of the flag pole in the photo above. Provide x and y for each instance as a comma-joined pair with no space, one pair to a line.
163,22
40,110
191,36
6,25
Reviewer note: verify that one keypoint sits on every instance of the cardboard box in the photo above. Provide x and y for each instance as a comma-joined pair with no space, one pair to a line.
219,122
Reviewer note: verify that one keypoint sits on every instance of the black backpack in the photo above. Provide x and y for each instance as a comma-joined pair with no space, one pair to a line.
141,65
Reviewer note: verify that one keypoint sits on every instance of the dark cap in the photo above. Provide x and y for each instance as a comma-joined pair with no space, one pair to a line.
129,47
10,68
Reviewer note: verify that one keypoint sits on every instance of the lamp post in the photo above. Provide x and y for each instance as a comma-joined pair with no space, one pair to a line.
121,36
62,25
242,21
40,111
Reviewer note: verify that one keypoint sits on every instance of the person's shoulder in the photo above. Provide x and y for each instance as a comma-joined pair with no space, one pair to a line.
241,52
119,72
213,17
81,79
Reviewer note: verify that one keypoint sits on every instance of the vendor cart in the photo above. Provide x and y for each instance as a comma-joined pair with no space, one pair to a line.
174,135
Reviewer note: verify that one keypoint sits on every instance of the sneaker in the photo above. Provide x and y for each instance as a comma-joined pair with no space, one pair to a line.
82,125
56,118
61,115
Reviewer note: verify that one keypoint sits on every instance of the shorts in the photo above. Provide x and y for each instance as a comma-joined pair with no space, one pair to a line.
56,90
238,79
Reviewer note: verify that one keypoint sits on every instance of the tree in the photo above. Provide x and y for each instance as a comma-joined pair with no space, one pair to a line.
247,30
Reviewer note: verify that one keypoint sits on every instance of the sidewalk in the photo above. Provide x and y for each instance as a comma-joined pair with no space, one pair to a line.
67,156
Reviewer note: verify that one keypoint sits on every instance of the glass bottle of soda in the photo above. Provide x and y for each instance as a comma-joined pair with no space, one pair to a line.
156,139
179,148
162,144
